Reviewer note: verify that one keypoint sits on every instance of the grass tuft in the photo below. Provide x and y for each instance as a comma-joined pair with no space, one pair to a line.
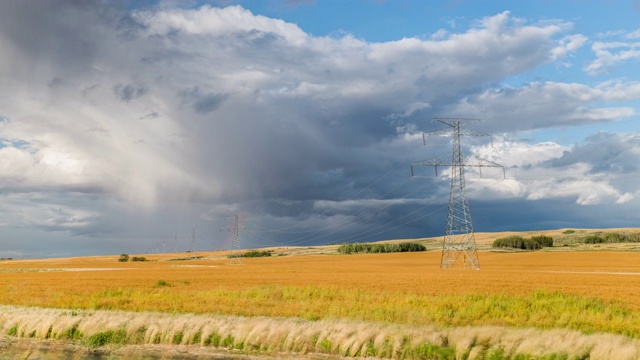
109,337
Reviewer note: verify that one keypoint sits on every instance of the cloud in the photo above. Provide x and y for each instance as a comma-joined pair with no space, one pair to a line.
548,104
129,92
592,173
202,103
175,115
568,45
613,53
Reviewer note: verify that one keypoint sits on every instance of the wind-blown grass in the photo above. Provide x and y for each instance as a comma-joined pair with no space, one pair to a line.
343,337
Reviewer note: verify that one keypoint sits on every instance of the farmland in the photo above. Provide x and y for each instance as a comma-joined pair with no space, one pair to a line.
582,292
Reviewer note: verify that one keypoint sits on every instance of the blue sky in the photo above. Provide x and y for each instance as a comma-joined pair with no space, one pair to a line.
127,125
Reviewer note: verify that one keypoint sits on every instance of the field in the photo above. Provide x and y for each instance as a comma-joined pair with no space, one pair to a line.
583,293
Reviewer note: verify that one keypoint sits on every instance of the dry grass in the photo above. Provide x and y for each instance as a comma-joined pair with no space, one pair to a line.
337,336
588,292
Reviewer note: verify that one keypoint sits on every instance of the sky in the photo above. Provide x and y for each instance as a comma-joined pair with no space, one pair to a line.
145,126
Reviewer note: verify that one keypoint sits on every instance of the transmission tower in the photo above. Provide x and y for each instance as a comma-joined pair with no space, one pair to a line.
193,244
459,245
175,243
235,244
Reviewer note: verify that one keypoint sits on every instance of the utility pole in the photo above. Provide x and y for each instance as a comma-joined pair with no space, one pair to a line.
459,241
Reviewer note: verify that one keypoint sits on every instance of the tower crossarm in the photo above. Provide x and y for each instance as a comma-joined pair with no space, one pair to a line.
448,161
455,125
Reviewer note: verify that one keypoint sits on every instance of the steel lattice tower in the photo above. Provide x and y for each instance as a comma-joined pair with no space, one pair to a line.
459,245
235,244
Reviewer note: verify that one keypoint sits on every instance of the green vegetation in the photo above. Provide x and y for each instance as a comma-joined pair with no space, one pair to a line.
612,238
125,258
162,283
192,257
177,338
518,242
541,309
109,337
13,331
252,254
72,333
255,253
543,240
569,231
371,248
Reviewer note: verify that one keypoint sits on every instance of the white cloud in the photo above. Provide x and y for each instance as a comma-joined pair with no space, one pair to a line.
209,20
517,154
609,54
550,171
568,45
633,35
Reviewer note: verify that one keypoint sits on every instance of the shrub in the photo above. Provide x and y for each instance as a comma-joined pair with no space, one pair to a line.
612,238
255,253
615,238
594,239
543,240
516,242
568,231
252,254
140,258
123,258
356,248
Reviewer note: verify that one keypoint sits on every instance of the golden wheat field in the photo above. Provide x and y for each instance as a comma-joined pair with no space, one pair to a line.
591,292
320,286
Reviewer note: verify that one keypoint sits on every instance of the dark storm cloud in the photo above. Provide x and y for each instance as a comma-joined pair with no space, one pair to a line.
202,103
605,153
128,28
49,30
129,92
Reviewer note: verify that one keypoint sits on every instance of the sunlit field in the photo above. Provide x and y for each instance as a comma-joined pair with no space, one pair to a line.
589,292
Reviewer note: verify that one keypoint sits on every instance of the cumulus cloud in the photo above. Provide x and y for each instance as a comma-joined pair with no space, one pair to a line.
588,173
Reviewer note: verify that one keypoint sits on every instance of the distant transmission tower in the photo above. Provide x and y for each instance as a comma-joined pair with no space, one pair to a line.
193,244
235,244
459,241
